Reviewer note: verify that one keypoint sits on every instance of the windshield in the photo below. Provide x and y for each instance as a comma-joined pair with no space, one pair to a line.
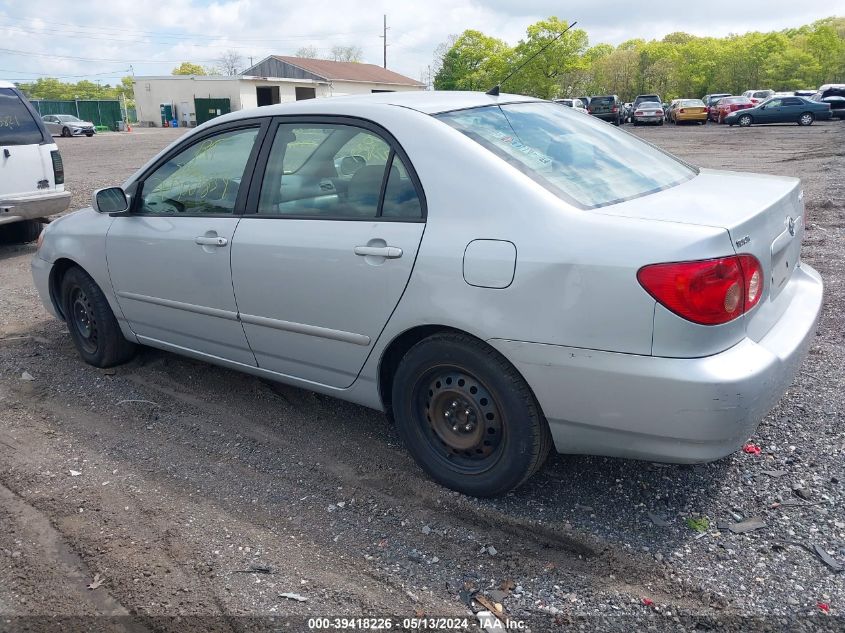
17,127
650,104
692,103
67,118
582,160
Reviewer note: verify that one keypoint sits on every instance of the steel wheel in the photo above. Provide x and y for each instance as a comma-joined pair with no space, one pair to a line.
806,119
91,322
82,319
464,421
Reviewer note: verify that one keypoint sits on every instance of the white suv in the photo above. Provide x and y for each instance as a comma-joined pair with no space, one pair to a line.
31,173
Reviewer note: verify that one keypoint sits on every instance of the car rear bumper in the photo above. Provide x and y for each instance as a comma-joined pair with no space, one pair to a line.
607,116
41,205
668,409
648,119
701,116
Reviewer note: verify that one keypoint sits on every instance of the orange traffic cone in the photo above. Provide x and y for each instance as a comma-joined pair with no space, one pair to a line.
128,126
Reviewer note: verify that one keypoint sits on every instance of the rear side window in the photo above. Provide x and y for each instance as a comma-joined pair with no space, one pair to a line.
17,127
582,160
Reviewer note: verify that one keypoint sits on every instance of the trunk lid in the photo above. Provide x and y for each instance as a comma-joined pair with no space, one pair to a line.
763,215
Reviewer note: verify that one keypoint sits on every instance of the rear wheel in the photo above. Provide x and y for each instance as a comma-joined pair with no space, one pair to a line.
806,119
467,416
91,322
21,232
745,120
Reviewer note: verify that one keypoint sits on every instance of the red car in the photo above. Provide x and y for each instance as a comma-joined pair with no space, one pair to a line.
727,105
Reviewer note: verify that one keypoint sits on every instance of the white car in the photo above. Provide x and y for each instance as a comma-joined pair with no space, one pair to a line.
575,104
31,170
500,273
68,125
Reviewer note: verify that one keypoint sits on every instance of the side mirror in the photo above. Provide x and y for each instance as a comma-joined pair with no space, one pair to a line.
110,200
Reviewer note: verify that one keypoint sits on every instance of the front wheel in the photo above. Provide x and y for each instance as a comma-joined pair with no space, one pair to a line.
467,417
65,132
91,322
806,119
745,120
89,134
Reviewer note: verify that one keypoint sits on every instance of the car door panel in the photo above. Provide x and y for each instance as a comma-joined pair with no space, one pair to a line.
322,258
172,289
169,260
311,307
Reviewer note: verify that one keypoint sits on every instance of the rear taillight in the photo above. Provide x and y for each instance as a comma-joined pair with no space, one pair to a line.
58,167
681,110
708,292
615,109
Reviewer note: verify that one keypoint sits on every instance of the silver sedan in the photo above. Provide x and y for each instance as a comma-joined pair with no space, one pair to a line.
68,125
500,274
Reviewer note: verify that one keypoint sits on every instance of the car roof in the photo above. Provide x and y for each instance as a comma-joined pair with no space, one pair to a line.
426,101
6,84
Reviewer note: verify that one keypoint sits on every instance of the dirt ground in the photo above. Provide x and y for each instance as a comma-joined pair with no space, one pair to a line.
171,495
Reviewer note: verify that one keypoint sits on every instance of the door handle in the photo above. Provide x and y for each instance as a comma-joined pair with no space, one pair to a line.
388,252
202,240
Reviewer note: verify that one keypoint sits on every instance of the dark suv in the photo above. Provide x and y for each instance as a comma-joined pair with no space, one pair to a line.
643,98
607,108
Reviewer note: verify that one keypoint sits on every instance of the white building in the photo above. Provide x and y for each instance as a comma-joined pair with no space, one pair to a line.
194,99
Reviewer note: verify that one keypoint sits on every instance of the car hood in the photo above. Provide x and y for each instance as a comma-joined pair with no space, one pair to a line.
80,124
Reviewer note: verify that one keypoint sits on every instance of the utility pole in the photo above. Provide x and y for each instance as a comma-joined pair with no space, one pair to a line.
384,37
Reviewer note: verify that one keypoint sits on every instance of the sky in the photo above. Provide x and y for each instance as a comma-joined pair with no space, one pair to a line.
101,40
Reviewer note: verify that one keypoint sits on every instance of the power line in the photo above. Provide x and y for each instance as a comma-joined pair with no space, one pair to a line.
95,32
108,75
11,51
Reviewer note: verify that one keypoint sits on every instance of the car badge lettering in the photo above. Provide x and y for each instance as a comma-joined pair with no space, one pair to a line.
743,241
791,227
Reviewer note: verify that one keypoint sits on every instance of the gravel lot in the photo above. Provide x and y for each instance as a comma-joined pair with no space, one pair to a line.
179,485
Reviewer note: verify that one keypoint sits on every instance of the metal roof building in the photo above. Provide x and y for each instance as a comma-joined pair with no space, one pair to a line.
193,99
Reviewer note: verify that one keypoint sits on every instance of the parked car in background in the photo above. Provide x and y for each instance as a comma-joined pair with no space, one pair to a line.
31,172
629,110
67,125
726,105
758,96
576,104
711,99
781,110
687,111
607,108
639,307
834,96
645,98
585,101
648,112
804,93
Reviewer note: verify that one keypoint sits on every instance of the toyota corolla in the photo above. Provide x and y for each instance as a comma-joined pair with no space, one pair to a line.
499,274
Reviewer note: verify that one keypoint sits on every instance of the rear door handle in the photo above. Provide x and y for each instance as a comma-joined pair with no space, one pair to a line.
389,252
202,240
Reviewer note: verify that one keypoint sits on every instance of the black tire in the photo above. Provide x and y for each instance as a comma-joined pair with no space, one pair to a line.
91,322
21,232
458,375
745,120
89,134
65,132
806,118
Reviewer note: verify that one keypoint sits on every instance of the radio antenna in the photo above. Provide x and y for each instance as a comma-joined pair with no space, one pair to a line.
494,91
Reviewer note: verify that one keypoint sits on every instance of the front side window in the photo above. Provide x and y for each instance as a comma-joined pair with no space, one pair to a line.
203,179
17,127
341,174
582,160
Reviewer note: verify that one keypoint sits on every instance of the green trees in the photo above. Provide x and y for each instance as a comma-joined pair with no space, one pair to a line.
188,68
679,65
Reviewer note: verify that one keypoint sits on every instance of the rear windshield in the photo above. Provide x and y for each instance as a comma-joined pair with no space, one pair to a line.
582,160
601,100
692,103
17,127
